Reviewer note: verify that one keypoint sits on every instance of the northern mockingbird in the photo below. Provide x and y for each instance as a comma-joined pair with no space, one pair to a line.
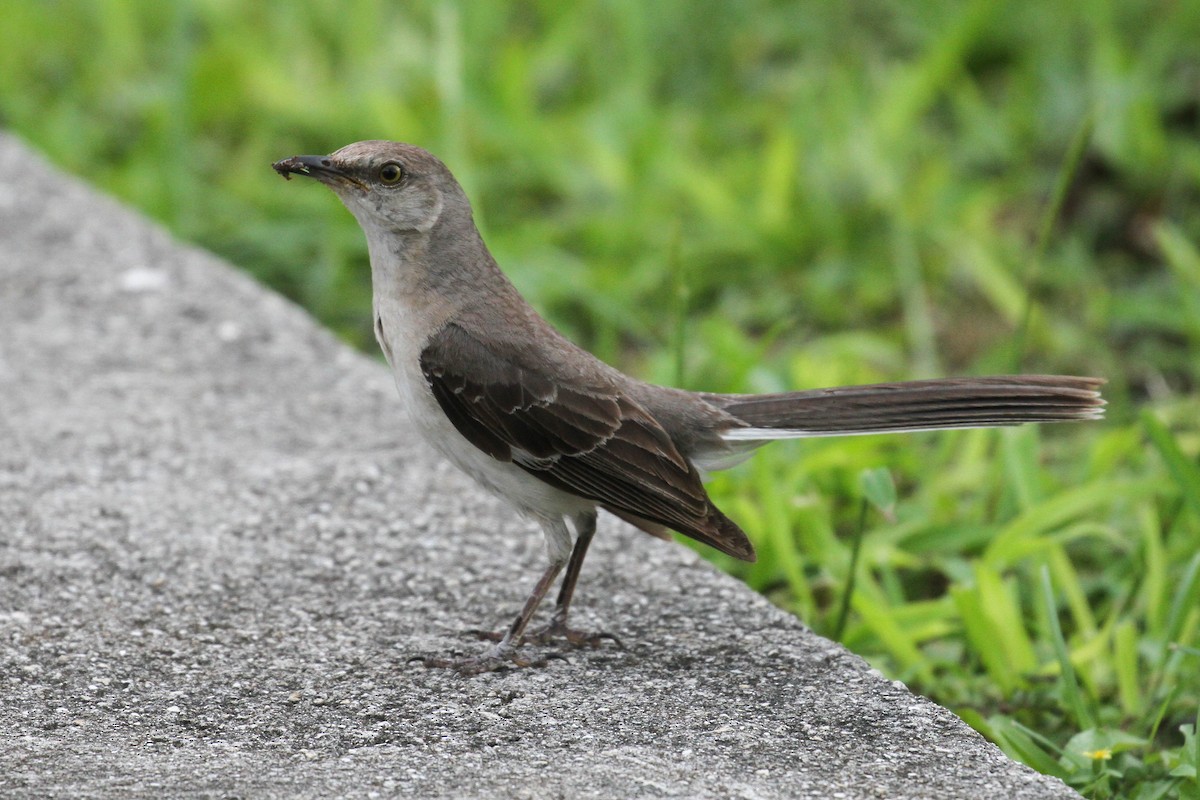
558,433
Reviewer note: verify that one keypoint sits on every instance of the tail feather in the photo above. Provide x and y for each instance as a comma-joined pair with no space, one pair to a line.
912,406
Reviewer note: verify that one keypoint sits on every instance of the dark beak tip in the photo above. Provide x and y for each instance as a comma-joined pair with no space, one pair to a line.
290,166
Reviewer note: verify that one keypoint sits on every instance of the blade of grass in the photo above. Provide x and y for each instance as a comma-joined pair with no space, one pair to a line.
1183,603
895,637
1070,684
1027,746
918,87
918,317
1069,584
851,573
1066,176
1024,536
1125,662
1184,471
1003,610
992,622
680,294
1180,254
1154,570
1019,447
1196,755
1163,708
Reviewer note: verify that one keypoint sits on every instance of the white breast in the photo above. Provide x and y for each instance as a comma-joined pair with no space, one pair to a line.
402,341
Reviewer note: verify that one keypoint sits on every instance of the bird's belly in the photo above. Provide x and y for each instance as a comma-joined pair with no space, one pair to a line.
506,480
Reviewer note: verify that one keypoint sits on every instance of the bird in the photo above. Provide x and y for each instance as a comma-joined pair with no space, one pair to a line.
559,434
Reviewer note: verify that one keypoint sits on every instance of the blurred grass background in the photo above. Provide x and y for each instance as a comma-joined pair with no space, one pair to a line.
750,196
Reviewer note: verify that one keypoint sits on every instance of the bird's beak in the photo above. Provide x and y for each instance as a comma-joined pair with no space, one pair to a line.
320,167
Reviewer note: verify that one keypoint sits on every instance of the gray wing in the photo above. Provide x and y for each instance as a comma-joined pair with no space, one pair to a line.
589,440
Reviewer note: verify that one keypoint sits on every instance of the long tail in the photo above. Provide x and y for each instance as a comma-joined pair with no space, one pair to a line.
912,406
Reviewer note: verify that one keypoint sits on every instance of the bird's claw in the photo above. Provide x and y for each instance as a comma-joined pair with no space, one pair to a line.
558,632
485,635
555,632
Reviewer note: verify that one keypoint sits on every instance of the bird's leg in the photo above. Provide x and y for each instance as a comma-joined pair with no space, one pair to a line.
503,655
585,529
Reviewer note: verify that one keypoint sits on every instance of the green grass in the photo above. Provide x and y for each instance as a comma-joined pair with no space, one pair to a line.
752,196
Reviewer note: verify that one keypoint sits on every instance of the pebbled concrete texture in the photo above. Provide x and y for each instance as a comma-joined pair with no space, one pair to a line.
219,546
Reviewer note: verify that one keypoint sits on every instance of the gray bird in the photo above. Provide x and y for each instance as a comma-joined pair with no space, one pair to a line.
559,434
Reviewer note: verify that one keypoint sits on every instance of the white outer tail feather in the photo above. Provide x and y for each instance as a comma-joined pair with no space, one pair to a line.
771,434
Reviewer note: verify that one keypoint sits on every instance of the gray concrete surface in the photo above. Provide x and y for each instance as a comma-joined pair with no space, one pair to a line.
218,548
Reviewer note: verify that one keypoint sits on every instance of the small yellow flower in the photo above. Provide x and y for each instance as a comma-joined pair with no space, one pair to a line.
1103,754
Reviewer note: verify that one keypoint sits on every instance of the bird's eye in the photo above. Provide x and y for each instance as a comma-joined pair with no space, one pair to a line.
391,173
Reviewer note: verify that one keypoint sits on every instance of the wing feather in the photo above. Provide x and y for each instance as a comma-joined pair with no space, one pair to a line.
589,440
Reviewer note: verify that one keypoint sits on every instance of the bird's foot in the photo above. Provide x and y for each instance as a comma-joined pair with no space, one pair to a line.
497,659
556,632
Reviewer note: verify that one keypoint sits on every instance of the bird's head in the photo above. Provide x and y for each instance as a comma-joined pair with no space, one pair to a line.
387,186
